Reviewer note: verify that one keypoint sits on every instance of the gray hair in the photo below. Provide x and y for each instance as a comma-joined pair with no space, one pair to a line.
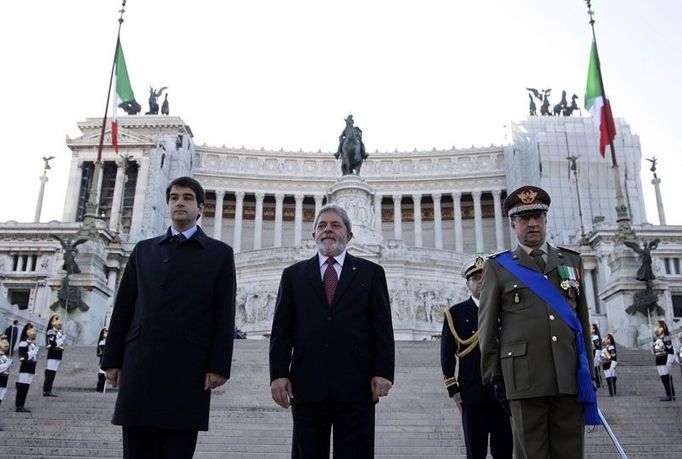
334,208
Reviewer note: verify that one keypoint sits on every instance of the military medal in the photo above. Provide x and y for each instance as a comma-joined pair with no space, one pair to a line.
564,284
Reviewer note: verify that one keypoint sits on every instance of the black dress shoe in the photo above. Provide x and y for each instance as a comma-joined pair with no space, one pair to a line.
21,409
48,394
666,399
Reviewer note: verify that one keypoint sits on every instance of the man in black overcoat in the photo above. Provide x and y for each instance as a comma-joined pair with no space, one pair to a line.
482,415
332,348
170,336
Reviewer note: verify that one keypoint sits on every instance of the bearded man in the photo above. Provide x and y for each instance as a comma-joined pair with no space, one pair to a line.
331,350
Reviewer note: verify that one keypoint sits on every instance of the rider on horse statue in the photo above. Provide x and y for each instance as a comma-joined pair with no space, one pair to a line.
351,150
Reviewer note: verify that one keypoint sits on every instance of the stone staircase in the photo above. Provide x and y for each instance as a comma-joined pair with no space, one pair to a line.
416,421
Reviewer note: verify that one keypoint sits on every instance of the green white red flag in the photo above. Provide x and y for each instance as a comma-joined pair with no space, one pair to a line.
597,104
123,92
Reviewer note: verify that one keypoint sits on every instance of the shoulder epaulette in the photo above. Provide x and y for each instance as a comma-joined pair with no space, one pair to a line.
566,249
499,253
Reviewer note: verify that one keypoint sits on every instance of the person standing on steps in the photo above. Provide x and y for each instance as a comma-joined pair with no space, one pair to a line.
610,359
55,349
170,336
12,334
482,415
27,370
101,374
535,335
665,355
331,349
5,363
595,337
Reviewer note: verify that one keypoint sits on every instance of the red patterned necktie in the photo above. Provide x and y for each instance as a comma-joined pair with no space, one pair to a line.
330,279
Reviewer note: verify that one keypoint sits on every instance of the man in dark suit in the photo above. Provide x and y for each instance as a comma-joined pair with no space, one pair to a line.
170,336
332,349
482,414
533,300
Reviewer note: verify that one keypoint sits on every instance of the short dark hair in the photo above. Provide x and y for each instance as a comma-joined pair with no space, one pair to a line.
187,182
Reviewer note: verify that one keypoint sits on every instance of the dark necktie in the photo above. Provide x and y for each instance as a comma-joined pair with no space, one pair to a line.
536,255
330,279
179,238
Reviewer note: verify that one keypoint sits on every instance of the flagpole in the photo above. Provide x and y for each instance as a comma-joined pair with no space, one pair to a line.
625,231
92,205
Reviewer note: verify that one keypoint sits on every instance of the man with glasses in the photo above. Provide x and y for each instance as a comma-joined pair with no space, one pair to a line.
535,335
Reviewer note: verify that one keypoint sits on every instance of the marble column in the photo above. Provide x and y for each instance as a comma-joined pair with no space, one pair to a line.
298,219
140,192
457,211
20,262
238,219
279,202
377,213
478,221
117,199
588,269
111,279
71,202
499,231
318,203
218,217
29,263
437,220
417,218
258,225
397,217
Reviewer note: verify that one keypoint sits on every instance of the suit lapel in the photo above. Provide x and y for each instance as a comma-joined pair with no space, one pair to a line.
350,269
554,259
313,273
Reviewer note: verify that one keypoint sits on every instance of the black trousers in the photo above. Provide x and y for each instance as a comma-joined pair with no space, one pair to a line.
154,443
483,419
353,427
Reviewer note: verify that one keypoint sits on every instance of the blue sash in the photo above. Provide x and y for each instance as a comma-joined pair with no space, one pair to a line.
547,292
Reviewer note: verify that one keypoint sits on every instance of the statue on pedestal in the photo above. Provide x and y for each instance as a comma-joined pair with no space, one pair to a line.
351,150
70,251
645,302
153,103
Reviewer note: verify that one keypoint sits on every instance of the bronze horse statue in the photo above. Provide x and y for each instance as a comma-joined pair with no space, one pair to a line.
351,149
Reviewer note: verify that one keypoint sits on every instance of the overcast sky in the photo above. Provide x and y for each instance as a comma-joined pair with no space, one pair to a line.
277,73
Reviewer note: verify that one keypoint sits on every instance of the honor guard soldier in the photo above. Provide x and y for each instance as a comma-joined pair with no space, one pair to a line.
482,415
27,369
55,349
609,357
665,355
595,337
535,335
101,374
5,363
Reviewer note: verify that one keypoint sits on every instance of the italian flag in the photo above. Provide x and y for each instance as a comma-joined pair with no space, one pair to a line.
597,104
123,92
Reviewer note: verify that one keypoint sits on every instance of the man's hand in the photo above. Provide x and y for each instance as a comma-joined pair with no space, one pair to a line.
113,376
501,394
380,387
213,381
458,401
281,392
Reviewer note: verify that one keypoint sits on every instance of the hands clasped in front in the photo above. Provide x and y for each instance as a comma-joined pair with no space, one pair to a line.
282,392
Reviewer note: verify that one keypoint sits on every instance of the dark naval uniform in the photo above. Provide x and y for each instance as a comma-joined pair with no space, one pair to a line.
536,354
665,355
482,414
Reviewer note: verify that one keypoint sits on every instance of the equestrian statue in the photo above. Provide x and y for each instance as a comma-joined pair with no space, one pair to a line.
351,150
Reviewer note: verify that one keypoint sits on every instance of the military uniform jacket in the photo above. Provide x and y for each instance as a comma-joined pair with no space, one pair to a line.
613,356
172,323
332,352
54,349
536,354
468,381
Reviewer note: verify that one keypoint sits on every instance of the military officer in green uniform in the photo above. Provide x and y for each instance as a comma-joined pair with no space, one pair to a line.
528,340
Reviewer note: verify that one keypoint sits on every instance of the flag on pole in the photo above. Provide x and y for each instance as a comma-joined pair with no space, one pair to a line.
597,104
123,92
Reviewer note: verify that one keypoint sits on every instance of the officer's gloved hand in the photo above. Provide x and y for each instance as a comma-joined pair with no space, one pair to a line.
501,394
